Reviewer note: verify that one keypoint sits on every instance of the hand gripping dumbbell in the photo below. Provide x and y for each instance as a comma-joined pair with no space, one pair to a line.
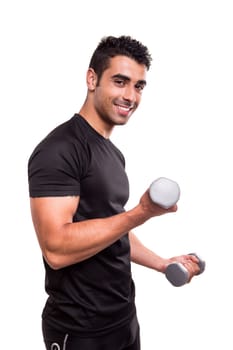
164,192
178,275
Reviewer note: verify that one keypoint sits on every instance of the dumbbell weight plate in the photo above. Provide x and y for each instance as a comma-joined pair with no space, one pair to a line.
164,192
177,274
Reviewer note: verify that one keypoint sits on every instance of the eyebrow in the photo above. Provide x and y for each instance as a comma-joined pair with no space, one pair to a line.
126,78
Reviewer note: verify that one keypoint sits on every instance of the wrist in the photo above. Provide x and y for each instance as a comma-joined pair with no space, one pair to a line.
163,265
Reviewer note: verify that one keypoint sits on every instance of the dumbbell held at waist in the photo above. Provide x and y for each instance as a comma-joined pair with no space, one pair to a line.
178,275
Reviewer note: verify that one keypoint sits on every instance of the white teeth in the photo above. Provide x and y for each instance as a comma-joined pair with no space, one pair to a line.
124,108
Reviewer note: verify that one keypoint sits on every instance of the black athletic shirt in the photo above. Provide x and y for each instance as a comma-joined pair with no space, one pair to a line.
96,295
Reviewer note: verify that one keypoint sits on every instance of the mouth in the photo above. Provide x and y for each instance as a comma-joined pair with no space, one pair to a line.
123,109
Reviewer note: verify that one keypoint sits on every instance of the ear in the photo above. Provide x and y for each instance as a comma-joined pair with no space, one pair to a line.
91,79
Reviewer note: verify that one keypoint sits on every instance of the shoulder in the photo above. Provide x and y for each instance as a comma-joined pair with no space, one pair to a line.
64,138
64,147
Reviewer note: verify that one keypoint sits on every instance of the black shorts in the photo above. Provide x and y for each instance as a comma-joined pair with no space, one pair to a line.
124,338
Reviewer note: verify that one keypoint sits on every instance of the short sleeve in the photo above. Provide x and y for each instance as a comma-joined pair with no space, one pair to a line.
55,169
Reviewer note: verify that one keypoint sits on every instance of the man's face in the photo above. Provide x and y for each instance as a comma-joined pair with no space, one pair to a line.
119,90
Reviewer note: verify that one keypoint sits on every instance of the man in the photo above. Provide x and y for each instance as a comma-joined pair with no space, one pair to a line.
78,190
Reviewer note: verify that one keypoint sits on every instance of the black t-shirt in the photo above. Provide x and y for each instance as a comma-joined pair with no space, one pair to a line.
95,295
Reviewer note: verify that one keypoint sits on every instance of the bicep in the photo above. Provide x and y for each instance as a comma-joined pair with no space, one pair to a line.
49,215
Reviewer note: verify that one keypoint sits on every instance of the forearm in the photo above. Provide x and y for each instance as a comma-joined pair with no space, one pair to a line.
143,256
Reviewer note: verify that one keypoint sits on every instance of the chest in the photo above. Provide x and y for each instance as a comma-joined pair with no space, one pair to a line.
105,186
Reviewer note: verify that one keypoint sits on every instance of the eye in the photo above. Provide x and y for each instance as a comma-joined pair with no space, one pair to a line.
119,82
139,87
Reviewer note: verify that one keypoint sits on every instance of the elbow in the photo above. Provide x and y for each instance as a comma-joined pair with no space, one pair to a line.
53,253
54,260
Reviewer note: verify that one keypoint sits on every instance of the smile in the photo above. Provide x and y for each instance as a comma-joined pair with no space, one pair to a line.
123,111
124,108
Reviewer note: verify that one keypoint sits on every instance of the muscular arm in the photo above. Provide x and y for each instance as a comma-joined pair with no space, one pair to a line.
64,243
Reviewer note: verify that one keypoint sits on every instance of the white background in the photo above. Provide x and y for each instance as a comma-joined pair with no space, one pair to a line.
182,130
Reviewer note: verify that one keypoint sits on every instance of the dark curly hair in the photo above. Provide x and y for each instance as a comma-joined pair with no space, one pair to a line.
111,46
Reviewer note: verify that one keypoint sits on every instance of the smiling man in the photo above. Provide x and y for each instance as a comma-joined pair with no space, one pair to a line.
78,190
114,95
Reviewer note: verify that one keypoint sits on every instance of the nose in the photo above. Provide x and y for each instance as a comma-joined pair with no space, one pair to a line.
129,94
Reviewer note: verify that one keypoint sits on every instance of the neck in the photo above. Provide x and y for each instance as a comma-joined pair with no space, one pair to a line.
92,117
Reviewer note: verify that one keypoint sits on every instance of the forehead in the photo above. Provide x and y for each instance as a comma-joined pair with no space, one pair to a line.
126,66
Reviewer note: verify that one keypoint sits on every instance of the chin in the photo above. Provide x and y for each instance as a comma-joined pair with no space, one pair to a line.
121,120
115,120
